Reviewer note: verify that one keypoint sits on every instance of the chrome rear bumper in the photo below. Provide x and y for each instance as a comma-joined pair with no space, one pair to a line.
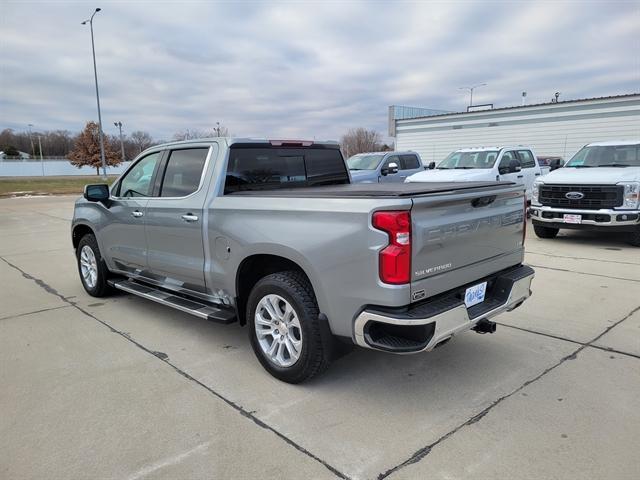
421,327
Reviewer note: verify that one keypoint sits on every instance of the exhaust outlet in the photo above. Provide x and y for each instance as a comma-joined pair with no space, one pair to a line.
485,326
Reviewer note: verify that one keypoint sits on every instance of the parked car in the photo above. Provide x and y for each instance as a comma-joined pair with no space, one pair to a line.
549,164
515,164
598,189
273,235
382,167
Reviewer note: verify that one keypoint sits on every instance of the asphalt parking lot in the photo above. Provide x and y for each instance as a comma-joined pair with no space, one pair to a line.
123,388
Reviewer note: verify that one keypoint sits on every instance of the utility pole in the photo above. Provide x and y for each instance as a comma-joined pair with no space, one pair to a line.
41,159
119,125
471,89
33,150
95,74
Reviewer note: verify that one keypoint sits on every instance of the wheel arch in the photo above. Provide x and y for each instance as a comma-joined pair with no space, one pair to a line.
80,230
257,266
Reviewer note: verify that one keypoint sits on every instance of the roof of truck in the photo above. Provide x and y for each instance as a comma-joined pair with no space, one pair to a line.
232,140
492,148
614,143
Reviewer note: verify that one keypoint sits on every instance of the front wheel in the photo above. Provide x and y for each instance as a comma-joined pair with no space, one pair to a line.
93,271
545,232
284,328
634,237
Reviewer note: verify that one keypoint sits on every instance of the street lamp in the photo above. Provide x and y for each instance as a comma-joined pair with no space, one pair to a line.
119,125
471,89
33,150
95,74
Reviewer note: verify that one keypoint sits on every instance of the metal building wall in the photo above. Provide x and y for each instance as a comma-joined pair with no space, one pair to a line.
551,129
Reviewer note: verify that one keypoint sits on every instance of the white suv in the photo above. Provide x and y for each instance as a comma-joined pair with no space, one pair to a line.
512,164
598,189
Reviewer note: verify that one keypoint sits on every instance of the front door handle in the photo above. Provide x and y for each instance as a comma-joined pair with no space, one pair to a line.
190,217
520,176
537,174
137,213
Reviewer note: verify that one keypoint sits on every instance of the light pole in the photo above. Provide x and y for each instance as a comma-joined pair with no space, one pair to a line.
41,159
95,74
33,150
119,125
471,89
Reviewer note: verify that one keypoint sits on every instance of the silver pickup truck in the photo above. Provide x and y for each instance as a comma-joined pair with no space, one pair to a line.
273,234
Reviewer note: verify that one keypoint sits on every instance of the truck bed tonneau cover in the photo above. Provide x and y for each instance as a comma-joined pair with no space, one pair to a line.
372,190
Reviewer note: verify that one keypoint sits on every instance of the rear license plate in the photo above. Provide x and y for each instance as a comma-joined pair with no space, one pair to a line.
475,294
572,218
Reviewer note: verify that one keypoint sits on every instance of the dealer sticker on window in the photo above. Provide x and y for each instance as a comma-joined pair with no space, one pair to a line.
475,294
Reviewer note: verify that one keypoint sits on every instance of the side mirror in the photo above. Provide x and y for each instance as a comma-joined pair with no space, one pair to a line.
555,164
514,166
391,169
431,165
98,192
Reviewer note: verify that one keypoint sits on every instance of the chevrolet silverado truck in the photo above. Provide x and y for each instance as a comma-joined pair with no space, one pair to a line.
274,235
598,189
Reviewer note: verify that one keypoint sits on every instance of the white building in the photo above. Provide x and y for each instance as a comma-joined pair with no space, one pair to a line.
555,129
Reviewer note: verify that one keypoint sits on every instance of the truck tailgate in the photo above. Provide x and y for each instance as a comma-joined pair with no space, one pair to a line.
460,237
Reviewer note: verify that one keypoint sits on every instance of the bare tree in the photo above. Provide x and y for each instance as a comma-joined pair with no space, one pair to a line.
191,134
141,140
358,140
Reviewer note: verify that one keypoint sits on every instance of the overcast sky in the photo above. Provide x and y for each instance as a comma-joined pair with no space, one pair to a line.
302,69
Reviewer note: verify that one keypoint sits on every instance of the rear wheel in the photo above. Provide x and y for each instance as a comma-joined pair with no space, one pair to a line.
545,232
634,237
93,271
285,332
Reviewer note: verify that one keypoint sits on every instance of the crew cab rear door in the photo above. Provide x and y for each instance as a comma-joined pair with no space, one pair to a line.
174,219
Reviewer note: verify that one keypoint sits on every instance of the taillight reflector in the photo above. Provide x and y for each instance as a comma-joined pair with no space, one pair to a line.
395,259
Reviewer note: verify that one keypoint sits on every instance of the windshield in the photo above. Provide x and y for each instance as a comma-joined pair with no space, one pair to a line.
364,162
468,160
606,156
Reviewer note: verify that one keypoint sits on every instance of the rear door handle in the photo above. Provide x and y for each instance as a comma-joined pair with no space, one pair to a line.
537,174
520,176
137,213
190,217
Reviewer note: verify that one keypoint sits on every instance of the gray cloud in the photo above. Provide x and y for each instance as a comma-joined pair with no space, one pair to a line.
307,69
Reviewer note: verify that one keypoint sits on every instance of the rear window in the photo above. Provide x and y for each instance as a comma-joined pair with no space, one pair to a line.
409,162
183,172
526,158
262,167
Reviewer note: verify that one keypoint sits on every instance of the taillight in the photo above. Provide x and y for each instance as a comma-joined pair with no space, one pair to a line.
395,259
524,227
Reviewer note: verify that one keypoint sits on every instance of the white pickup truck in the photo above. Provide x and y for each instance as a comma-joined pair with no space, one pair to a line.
515,164
598,189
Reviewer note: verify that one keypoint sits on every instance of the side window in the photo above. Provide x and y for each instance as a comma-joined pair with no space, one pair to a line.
183,172
137,181
526,158
409,162
506,158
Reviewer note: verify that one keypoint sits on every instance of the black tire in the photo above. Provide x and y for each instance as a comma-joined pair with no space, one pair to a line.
545,232
634,238
316,351
101,288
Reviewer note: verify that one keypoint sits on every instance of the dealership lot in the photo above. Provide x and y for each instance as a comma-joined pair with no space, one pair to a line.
124,388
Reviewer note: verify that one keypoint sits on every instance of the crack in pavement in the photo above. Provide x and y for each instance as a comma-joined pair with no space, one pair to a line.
550,335
423,452
582,258
241,410
584,273
34,312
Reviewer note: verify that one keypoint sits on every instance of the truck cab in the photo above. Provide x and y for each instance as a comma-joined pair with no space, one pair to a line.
384,167
515,164
598,189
